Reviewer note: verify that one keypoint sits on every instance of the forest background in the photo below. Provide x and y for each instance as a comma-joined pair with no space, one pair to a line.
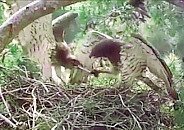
159,22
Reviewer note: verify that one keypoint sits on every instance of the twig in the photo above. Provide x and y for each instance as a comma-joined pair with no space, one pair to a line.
7,120
37,81
15,90
5,103
34,107
73,102
24,70
76,117
46,117
44,86
60,91
55,126
83,69
132,114
95,72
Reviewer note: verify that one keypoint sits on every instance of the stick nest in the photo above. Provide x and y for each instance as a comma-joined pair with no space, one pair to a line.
31,104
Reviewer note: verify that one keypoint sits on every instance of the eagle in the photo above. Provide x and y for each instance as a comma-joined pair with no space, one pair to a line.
133,59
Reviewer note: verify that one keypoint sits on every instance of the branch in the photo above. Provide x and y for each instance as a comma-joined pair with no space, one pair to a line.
26,15
7,109
7,120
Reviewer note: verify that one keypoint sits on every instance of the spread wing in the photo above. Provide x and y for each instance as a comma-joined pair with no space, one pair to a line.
156,65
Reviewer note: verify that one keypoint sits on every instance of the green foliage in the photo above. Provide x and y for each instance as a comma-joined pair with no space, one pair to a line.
175,67
165,27
174,64
14,59
43,125
179,116
104,15
13,56
1,13
107,81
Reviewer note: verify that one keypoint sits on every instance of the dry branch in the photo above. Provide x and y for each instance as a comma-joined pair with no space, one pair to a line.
26,15
7,121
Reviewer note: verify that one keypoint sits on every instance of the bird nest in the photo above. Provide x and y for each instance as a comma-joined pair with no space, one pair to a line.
32,104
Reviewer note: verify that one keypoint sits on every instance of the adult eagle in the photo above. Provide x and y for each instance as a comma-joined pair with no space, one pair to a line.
133,59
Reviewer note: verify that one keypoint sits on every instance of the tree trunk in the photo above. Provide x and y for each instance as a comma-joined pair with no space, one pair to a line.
37,40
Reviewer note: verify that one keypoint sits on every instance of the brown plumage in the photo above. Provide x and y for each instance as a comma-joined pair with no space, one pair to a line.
157,66
133,59
61,56
107,48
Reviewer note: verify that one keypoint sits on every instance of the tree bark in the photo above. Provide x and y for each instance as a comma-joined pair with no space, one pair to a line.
34,31
26,15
